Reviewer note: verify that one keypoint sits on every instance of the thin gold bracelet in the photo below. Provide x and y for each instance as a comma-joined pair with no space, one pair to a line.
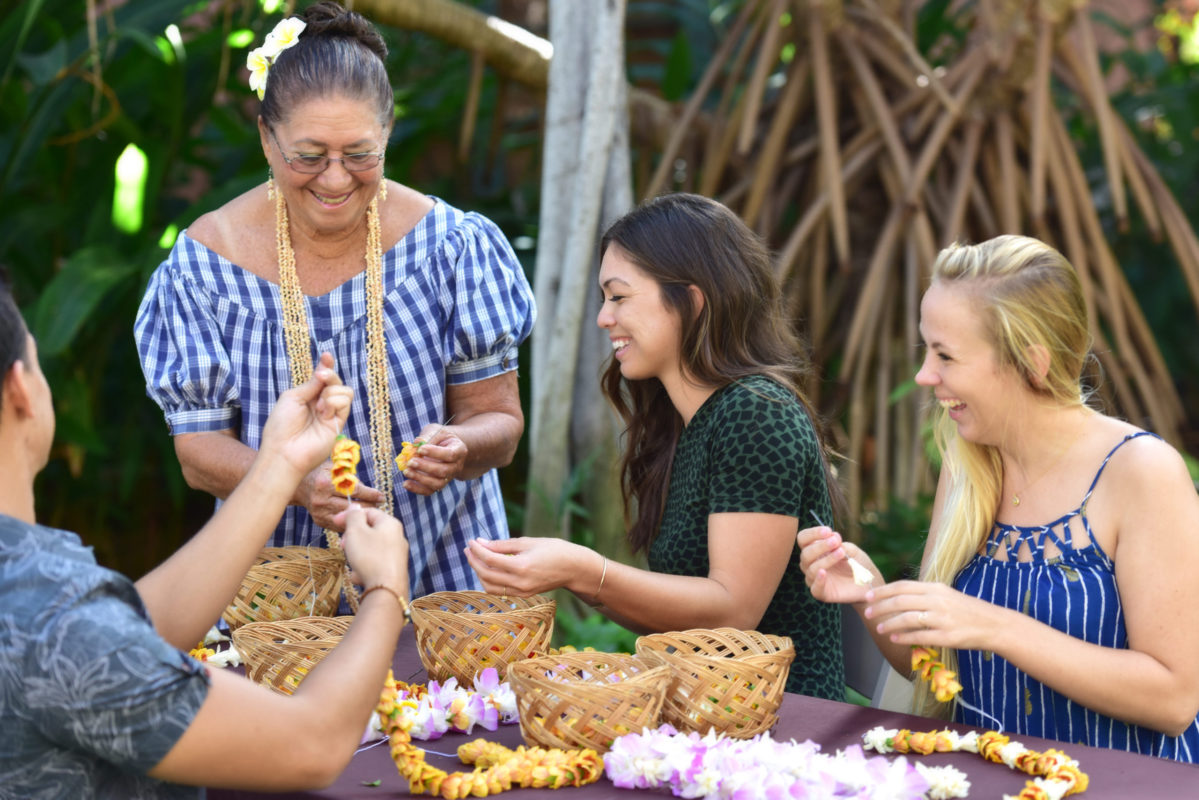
399,598
603,575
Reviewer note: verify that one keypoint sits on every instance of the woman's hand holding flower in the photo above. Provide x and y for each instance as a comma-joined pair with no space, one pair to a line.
824,558
438,461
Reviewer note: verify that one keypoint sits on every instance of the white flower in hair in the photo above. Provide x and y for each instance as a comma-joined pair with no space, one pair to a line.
259,61
285,34
258,64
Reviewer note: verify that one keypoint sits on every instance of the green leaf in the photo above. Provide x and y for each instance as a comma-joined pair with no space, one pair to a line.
13,33
901,391
43,68
678,68
73,295
375,782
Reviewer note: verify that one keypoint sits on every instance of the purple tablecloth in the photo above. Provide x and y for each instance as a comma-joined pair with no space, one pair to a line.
1114,775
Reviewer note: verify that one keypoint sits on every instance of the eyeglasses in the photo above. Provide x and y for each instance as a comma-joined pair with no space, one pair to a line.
314,164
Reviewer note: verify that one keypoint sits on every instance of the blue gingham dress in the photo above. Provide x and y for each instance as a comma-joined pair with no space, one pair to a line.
1074,592
456,306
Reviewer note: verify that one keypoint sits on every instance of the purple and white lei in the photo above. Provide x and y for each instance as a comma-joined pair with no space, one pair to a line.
715,766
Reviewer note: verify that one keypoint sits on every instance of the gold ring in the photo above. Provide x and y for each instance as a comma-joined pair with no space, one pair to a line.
923,619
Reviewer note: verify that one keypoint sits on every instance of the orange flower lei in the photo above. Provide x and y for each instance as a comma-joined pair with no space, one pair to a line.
346,454
1056,775
944,682
497,768
407,453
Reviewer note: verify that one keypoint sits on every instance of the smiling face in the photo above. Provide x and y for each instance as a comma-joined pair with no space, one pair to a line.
645,333
961,366
335,200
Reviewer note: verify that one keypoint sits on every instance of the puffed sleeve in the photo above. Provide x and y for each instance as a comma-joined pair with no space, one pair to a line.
187,368
493,311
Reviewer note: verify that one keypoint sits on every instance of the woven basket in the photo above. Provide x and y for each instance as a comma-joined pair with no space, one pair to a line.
459,634
280,654
288,582
725,678
576,700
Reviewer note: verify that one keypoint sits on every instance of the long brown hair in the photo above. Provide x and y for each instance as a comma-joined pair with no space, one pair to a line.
680,240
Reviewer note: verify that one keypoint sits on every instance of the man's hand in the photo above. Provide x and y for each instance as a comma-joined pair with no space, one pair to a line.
306,419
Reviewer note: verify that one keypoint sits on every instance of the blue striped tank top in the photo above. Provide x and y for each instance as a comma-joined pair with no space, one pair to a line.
1073,589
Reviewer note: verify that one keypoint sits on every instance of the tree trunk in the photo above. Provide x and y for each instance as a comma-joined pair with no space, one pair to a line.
585,180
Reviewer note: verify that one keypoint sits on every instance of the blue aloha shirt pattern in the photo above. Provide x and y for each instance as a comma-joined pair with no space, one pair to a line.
456,306
91,697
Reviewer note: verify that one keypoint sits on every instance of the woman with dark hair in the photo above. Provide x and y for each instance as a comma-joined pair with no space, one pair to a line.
722,457
100,698
422,305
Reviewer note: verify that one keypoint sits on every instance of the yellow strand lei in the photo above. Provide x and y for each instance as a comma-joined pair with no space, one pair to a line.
1056,775
497,768
296,334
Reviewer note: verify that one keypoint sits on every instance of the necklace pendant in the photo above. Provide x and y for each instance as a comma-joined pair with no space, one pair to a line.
1015,500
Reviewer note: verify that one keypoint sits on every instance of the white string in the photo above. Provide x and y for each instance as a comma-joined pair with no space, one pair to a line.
998,725
311,576
366,747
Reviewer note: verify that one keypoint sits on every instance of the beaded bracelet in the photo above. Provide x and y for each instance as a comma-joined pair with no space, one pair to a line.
399,598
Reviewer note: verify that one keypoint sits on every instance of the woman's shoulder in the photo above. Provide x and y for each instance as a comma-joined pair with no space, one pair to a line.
760,391
462,231
759,402
404,211
242,231
1133,456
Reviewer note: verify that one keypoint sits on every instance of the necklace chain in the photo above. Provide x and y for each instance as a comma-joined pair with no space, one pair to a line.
299,354
1046,471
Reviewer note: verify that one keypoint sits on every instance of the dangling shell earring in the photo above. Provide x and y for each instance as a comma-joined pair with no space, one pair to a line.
270,184
383,189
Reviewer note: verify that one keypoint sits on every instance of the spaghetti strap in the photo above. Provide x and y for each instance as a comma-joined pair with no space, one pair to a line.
1111,453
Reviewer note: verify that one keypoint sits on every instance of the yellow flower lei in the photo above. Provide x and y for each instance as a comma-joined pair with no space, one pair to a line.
407,453
497,768
1056,775
201,652
346,454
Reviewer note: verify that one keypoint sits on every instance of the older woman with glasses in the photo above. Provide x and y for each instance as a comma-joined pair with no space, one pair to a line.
423,307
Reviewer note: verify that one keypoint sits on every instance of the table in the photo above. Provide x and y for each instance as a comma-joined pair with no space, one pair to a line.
1114,775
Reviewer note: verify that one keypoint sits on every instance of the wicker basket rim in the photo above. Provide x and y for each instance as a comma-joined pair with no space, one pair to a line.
431,603
533,670
731,633
659,642
259,630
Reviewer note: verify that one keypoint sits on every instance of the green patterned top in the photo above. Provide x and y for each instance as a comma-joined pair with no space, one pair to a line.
751,447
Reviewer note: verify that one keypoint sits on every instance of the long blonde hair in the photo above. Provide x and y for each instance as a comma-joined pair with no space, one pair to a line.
1028,295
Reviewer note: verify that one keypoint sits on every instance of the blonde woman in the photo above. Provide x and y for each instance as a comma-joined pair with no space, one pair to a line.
1060,571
